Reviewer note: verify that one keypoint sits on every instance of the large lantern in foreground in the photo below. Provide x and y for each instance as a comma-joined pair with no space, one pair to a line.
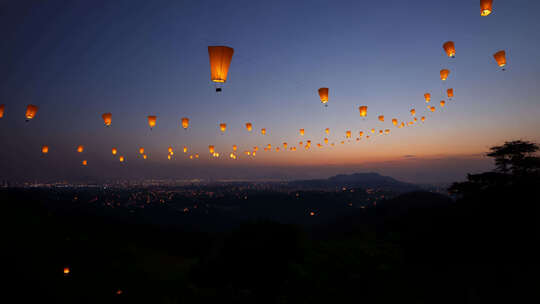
220,60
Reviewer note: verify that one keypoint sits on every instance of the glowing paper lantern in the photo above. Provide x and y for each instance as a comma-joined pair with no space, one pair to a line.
486,7
323,94
185,123
450,49
152,121
31,111
427,97
220,60
444,74
500,57
363,111
107,119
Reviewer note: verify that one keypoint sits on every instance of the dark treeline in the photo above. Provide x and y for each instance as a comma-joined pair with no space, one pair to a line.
419,247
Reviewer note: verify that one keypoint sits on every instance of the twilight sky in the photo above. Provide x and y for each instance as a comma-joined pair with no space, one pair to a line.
79,59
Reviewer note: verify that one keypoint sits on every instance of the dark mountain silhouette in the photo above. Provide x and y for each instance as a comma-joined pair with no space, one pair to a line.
356,180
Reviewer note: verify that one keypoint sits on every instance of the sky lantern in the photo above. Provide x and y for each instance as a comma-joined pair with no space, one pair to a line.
450,49
432,109
361,133
284,146
169,157
114,151
185,122
486,7
222,127
84,163
380,132
211,149
323,93
248,153
387,131
363,111
394,121
302,132
442,103
348,134
277,149
67,271
152,121
326,141
144,156
319,145
234,147
381,117
249,126
185,149
423,118
232,156
427,97
107,119
402,125
342,142
80,148
415,119
196,155
450,93
44,149
300,143
373,130
257,148
327,130
122,159
191,157
263,131
220,60
269,147
31,111
141,150
500,57
170,150
444,74
2,108
293,149
413,112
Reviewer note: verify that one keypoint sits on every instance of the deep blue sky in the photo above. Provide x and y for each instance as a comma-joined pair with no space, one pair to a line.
78,59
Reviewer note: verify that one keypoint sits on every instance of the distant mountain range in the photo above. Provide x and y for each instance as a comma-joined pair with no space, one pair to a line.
356,180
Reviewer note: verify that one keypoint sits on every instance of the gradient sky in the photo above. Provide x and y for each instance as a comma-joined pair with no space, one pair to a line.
79,59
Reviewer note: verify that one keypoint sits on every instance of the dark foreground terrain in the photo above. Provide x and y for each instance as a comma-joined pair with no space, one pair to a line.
417,247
